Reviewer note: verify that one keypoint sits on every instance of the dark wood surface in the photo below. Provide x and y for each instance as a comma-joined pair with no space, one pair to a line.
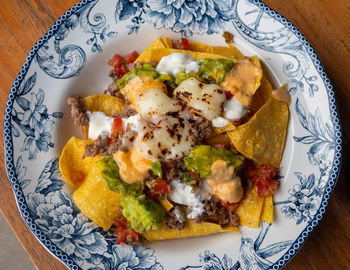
325,23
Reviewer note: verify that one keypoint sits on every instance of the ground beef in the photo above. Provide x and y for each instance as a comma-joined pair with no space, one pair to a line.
172,222
127,111
174,170
214,209
203,129
100,146
131,66
78,113
211,81
170,87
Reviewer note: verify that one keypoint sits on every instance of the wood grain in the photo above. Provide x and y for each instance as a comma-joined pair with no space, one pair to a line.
325,23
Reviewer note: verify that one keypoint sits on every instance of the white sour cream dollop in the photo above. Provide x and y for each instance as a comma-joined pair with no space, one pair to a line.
173,63
99,124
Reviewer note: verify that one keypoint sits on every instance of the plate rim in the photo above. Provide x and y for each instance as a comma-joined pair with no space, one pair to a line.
334,115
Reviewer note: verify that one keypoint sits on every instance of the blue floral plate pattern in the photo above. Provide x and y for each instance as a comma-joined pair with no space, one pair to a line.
71,59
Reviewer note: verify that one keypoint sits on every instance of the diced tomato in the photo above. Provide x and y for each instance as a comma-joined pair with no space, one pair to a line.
160,187
117,126
116,60
263,179
121,70
228,37
122,231
229,95
132,236
77,176
131,57
121,235
121,222
182,44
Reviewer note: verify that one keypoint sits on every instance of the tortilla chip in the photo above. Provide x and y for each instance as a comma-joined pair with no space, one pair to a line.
262,94
249,209
157,54
192,229
110,105
230,51
267,211
71,160
96,200
200,47
262,138
144,57
220,138
255,60
167,42
229,127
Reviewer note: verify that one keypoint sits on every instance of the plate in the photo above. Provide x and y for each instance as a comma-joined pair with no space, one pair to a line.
71,59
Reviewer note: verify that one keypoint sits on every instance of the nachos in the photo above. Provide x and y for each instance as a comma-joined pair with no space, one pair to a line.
186,141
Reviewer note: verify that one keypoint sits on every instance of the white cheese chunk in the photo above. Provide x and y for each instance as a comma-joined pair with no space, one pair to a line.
205,99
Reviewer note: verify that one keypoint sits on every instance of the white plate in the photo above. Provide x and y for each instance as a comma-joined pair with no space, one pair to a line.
71,59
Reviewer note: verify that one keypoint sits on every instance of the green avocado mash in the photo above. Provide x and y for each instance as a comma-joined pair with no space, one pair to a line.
203,156
208,69
142,70
141,212
214,69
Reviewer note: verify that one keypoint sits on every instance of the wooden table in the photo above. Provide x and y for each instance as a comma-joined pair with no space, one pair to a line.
325,23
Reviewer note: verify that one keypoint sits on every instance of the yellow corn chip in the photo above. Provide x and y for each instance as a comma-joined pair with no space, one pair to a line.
71,160
249,209
157,54
267,211
230,51
192,229
167,42
262,138
229,127
200,47
145,56
110,105
96,200
220,138
262,94
256,62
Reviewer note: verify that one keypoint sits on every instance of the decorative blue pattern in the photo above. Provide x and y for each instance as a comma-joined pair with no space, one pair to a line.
70,60
251,256
49,211
304,199
321,137
33,119
185,17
